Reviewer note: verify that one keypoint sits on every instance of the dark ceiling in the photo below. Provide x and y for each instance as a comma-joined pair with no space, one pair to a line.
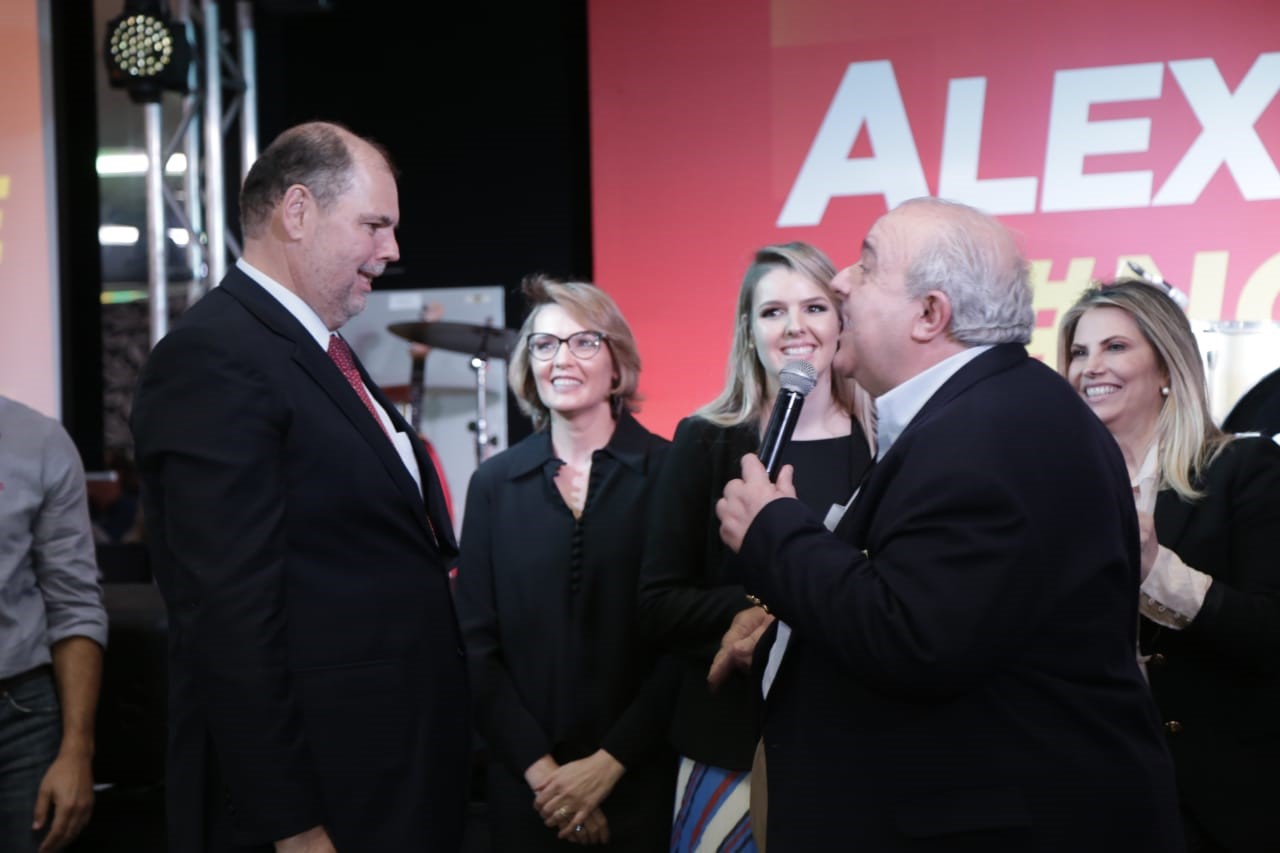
483,106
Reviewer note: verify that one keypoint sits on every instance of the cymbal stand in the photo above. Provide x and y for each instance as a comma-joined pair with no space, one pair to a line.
480,364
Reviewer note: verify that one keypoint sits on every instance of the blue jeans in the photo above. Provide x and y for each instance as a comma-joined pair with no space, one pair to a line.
30,731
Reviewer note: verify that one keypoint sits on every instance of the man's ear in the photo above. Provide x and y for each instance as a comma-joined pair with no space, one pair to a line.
934,318
297,209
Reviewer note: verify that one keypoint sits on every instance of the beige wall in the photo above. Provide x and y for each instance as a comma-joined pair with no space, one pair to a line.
29,369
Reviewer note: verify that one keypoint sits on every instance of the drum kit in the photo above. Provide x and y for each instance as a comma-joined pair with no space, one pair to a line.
481,343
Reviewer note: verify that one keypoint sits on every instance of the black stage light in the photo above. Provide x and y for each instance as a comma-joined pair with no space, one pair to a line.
145,53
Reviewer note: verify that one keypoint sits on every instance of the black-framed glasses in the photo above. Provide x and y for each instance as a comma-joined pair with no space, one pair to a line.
584,345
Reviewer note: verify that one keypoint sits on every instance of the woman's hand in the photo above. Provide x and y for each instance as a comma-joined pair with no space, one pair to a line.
595,830
537,773
574,790
738,645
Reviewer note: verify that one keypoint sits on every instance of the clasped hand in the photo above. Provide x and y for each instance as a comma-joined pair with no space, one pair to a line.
569,795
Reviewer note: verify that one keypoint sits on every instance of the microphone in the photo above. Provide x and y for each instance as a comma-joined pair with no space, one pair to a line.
797,379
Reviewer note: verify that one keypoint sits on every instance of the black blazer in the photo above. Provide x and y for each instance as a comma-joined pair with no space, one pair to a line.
317,673
1217,682
690,592
962,671
547,605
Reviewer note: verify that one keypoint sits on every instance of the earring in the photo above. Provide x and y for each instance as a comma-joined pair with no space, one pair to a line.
1164,390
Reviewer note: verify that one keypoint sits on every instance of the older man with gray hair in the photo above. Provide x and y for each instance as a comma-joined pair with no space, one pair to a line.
955,666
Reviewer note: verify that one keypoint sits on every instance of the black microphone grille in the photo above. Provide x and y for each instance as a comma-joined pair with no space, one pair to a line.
798,376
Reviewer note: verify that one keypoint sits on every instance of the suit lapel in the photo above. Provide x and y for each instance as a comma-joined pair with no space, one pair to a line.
324,372
317,364
1172,514
853,527
995,360
432,494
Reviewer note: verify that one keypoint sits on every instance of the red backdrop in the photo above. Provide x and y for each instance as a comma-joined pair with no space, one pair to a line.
1099,131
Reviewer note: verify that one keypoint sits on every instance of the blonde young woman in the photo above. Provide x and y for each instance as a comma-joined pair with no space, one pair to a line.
1209,508
786,310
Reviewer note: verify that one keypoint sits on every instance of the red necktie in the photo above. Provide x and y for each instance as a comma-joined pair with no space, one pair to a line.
341,355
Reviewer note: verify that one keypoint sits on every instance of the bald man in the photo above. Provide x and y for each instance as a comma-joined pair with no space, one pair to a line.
318,694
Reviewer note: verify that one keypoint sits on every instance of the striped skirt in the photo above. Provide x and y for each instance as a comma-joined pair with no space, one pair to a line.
712,810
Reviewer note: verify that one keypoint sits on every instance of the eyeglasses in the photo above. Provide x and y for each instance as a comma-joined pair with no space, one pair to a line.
584,345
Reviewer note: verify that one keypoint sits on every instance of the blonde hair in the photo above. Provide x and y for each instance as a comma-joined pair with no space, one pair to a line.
596,310
1186,436
745,393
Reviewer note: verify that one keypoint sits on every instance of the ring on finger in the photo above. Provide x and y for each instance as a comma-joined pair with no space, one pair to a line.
562,812
579,827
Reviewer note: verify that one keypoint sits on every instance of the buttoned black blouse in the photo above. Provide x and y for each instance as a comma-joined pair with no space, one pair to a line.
547,608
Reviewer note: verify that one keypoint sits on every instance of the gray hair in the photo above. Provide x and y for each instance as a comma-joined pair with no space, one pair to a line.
976,262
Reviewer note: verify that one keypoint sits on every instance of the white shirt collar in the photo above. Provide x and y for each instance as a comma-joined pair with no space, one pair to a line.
896,407
292,303
1147,483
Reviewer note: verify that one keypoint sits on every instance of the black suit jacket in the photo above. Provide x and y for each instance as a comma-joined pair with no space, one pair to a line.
1217,682
317,674
962,671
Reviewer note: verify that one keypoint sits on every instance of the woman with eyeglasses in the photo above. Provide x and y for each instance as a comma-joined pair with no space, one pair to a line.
689,594
568,699
1208,510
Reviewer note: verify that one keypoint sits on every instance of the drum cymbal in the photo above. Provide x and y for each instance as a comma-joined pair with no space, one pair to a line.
465,338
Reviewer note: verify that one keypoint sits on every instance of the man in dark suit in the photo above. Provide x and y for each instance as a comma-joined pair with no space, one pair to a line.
318,695
957,669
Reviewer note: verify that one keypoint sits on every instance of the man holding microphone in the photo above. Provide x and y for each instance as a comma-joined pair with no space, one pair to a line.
960,671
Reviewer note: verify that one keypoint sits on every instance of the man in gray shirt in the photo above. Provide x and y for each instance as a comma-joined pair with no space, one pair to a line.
53,628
